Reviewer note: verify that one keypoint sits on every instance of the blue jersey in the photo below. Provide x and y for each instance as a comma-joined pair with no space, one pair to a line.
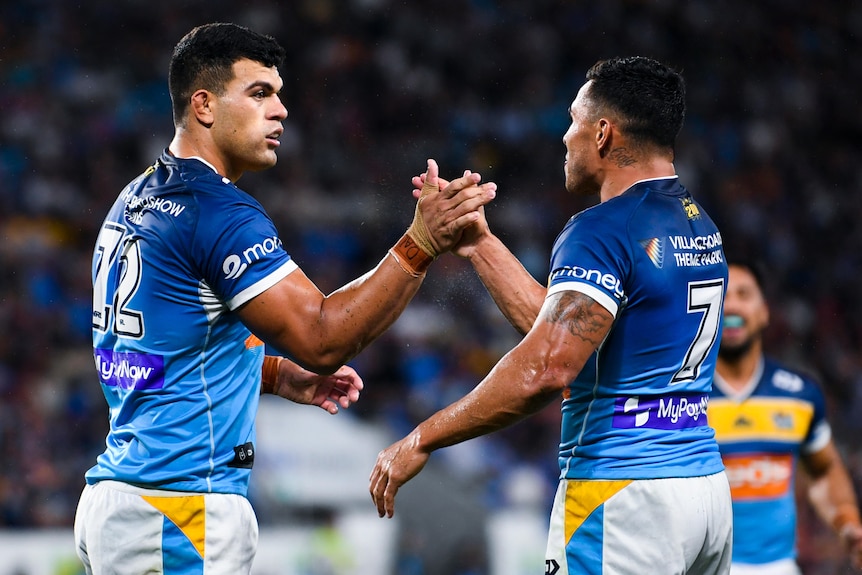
180,250
637,410
761,431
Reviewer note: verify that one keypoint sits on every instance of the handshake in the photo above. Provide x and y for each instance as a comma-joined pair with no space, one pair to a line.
449,216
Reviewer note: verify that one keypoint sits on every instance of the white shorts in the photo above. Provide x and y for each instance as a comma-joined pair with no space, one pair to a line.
782,567
125,530
631,527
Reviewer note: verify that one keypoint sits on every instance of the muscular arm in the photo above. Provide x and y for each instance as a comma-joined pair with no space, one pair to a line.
322,332
568,330
832,495
518,295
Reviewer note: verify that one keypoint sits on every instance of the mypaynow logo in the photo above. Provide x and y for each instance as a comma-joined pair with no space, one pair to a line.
130,370
664,412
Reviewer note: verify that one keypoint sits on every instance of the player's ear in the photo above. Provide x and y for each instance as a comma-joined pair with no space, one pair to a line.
202,107
604,135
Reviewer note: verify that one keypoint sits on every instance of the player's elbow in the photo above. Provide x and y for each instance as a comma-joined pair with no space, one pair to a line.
551,380
324,359
555,371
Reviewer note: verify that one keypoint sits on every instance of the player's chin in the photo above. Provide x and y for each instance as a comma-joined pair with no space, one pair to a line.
263,162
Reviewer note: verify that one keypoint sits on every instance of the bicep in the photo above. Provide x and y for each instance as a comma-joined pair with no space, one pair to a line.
582,317
569,328
285,315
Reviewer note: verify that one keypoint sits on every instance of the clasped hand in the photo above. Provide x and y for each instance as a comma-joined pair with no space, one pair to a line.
445,213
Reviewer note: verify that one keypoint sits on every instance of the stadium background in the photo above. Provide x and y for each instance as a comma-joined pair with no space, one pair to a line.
771,146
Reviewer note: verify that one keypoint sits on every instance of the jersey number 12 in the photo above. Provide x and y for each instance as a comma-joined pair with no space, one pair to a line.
115,250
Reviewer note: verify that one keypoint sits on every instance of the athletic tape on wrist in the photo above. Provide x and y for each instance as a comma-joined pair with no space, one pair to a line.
844,517
410,256
418,230
269,374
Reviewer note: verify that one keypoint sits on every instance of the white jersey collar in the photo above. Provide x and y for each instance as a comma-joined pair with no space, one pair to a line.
746,391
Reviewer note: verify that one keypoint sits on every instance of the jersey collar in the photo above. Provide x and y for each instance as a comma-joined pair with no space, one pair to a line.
746,391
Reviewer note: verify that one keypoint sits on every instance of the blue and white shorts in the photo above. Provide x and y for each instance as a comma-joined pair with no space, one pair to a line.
122,529
631,527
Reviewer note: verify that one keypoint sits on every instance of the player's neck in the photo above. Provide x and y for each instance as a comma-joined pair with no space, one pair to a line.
737,372
186,145
619,178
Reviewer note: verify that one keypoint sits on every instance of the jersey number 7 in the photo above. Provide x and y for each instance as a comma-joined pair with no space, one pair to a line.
704,297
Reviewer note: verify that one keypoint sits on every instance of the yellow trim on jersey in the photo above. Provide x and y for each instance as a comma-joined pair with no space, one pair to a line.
760,419
187,513
584,497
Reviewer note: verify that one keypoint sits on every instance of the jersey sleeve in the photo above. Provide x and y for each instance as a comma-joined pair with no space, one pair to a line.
590,258
240,251
820,432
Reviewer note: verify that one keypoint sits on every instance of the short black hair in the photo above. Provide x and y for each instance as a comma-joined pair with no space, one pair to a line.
755,267
204,58
649,97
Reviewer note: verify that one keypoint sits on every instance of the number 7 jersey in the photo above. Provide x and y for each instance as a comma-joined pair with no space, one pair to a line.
180,250
653,258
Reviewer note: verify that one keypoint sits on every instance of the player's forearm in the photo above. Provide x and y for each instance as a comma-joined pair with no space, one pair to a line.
834,499
521,384
358,313
518,295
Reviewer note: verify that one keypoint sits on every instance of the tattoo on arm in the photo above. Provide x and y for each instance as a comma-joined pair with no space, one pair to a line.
582,316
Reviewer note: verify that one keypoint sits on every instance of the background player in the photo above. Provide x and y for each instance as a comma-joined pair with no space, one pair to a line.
626,331
766,417
189,279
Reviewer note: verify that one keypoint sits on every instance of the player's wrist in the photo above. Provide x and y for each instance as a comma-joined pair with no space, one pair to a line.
479,246
421,235
418,230
269,374
846,521
410,255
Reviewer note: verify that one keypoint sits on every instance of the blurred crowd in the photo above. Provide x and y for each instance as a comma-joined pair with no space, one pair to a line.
771,145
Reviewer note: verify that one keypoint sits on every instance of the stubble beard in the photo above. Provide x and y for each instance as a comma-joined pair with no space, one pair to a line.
733,353
579,183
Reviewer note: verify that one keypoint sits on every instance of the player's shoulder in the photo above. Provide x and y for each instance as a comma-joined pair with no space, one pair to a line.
646,194
781,379
195,176
604,217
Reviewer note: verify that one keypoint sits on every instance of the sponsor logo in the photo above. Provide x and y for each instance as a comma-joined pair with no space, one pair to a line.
551,567
689,260
787,381
759,476
655,251
235,264
698,243
695,251
664,412
135,206
130,370
607,281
